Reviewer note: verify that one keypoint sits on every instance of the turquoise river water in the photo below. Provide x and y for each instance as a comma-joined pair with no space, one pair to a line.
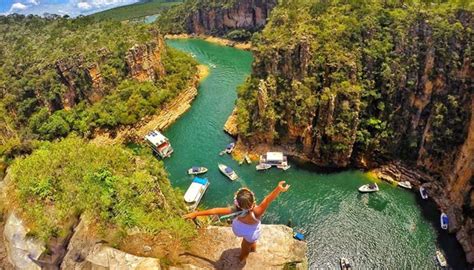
388,229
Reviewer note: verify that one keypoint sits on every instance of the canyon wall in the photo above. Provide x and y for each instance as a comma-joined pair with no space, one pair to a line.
345,86
250,15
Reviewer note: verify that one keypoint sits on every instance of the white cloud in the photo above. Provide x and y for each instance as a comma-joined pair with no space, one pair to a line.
17,7
34,2
84,5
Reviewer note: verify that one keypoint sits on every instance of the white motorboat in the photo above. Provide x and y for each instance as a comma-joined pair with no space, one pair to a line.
284,167
194,194
274,159
444,220
262,167
230,147
423,193
197,170
441,259
345,264
227,171
247,159
369,188
405,184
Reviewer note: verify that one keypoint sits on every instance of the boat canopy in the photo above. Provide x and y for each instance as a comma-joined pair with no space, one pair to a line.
194,190
156,138
229,170
275,156
195,169
445,219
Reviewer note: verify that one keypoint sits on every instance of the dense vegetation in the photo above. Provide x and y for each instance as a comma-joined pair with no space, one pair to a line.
43,61
136,11
357,74
108,185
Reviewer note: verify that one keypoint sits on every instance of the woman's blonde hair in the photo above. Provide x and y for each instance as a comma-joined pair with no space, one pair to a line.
244,199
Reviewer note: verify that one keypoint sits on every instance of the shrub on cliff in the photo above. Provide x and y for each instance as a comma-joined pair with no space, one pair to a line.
109,185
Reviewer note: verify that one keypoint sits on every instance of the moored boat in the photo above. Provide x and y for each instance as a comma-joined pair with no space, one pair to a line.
262,167
441,259
274,159
444,220
345,264
197,170
283,167
194,194
369,188
423,193
227,171
230,147
159,143
405,184
247,159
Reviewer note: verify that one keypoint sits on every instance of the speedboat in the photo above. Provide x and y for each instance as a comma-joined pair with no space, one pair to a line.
444,221
284,167
230,147
369,188
194,194
227,171
262,167
159,143
405,184
345,264
441,259
423,193
197,170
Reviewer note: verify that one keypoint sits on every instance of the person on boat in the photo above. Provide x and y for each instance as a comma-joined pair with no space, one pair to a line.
247,224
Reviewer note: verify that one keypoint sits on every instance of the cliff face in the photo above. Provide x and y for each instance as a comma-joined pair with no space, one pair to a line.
250,15
84,80
374,88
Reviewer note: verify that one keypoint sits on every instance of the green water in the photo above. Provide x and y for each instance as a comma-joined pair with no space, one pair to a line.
371,230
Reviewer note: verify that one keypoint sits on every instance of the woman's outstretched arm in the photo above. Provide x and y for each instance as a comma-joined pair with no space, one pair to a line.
261,208
213,211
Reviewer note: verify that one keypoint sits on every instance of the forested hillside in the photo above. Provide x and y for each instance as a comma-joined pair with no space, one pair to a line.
61,75
353,83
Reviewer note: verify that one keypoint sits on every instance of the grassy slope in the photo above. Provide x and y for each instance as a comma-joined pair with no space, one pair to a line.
136,10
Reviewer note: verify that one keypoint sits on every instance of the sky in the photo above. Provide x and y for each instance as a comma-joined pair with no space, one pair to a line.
61,7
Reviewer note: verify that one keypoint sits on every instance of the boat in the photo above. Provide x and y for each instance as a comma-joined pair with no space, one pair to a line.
212,65
423,193
369,188
247,159
298,236
283,167
405,184
444,221
274,159
159,144
197,170
441,259
230,147
227,171
262,167
345,264
194,194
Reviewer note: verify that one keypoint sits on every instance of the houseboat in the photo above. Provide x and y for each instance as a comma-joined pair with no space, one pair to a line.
276,159
159,144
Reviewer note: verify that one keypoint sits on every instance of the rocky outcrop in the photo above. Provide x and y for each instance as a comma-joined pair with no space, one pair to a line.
248,15
104,257
22,250
144,61
218,248
230,125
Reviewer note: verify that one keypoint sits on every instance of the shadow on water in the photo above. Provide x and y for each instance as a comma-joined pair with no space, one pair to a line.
446,242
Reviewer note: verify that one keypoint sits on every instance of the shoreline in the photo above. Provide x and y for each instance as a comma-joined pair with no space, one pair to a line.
164,116
216,40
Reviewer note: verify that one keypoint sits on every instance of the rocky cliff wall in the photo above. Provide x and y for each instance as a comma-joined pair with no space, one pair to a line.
249,15
85,80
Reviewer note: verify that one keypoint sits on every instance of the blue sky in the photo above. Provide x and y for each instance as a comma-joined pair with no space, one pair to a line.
61,7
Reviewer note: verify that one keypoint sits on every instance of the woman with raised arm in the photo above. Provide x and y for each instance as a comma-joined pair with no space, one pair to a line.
247,223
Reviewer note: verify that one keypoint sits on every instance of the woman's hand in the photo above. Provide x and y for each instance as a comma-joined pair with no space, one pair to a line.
282,186
190,216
